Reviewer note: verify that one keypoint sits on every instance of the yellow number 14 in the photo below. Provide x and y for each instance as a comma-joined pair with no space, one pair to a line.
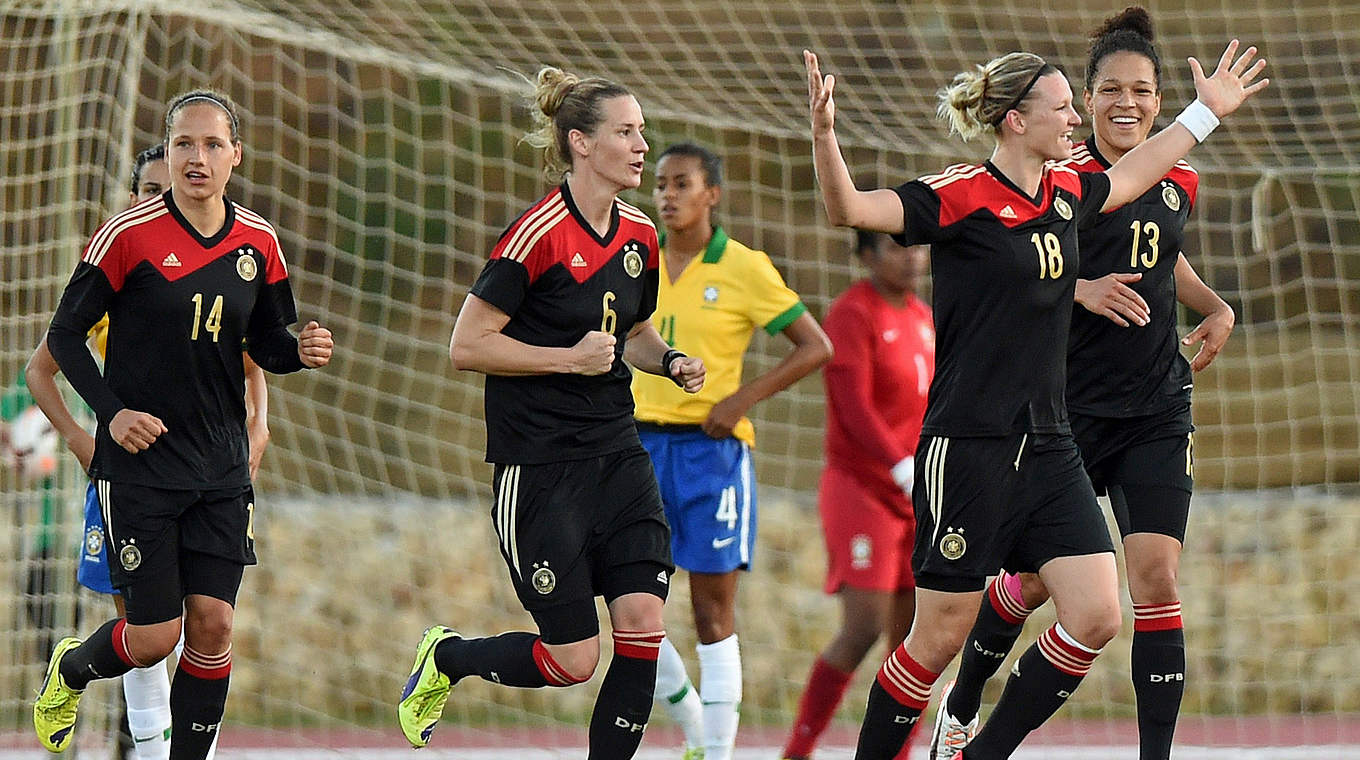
213,323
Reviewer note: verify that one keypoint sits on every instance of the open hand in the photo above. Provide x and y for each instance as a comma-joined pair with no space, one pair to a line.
820,102
1212,333
1112,298
1231,83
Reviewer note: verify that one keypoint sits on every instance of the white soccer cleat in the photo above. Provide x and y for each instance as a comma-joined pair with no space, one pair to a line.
950,736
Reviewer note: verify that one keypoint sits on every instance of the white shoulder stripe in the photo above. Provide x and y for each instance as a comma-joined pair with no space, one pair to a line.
1062,168
103,241
635,213
256,221
1184,166
951,171
943,180
550,213
528,236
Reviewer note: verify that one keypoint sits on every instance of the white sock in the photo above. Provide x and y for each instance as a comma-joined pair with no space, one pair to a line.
720,691
147,691
677,695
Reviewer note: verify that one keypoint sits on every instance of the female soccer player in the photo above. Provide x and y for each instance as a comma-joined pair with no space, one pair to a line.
714,292
1128,393
999,480
563,301
146,690
875,399
186,279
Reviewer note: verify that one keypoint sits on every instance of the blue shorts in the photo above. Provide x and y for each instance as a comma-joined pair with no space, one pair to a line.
708,491
93,572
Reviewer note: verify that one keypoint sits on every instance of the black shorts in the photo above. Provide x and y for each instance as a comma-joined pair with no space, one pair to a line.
1014,502
166,544
1145,464
572,531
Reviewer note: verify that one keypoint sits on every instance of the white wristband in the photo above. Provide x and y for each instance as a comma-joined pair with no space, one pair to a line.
904,472
1199,119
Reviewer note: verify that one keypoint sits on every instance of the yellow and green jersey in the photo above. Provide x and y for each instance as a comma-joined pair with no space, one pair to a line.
710,311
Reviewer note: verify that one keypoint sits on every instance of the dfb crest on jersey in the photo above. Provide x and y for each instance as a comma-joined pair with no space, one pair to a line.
94,542
1171,198
1063,208
246,266
632,258
543,579
953,545
130,557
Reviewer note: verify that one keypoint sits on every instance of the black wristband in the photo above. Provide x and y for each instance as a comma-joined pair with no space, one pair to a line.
666,360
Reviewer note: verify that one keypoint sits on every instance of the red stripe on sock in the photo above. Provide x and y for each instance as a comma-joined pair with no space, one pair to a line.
211,667
1157,617
906,681
640,645
554,674
120,644
1071,660
1008,605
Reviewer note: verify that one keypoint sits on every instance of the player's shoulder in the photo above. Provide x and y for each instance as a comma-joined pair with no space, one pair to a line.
955,179
634,215
521,235
256,223
1184,175
1082,160
131,221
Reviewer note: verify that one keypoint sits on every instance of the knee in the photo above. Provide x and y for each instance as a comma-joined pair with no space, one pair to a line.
1033,592
579,659
208,632
1096,627
149,644
1154,583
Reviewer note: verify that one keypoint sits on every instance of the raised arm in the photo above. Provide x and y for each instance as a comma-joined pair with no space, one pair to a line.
878,210
40,375
1219,318
1216,97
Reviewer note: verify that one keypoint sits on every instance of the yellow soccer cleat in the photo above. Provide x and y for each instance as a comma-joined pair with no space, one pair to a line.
422,699
54,711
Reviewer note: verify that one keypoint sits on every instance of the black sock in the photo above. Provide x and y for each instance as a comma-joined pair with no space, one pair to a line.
97,657
508,659
625,700
994,634
897,698
1158,684
1036,689
198,698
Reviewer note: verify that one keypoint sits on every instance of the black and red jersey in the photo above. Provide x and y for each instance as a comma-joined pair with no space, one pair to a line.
1003,268
181,308
1115,371
557,279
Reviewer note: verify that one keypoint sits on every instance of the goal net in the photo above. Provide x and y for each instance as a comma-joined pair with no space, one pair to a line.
382,140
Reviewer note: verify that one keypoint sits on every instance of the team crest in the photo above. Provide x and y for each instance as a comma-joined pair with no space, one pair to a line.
953,545
861,551
1063,208
1171,198
130,557
632,259
543,579
94,542
246,267
711,294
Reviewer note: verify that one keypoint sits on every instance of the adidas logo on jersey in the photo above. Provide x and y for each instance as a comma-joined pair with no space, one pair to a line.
171,260
577,260
1007,212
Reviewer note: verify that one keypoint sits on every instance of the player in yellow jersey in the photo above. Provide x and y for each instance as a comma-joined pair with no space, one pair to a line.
714,293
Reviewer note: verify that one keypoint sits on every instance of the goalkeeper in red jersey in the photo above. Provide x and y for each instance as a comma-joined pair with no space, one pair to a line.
875,400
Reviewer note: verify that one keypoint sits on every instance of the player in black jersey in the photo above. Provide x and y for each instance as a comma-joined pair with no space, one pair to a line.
1128,392
187,279
999,480
563,302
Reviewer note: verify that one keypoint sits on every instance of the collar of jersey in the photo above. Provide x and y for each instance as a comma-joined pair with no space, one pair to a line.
713,252
997,174
1095,152
585,225
207,242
